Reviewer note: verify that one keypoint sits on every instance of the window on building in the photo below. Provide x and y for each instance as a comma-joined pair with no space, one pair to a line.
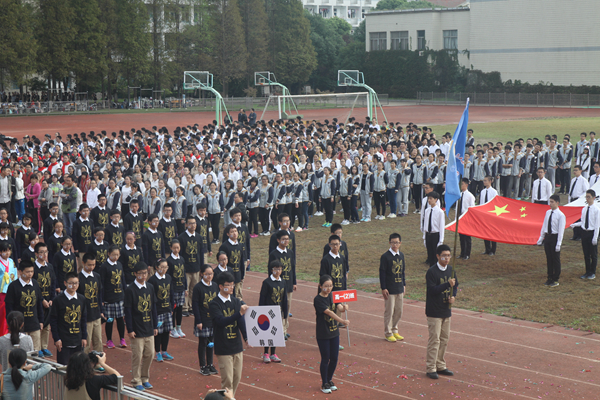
421,43
451,39
378,41
352,13
399,40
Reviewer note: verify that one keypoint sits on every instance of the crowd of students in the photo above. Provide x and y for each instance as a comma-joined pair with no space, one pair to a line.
129,222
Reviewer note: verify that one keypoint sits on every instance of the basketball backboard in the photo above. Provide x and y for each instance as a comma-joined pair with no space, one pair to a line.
348,77
197,80
264,78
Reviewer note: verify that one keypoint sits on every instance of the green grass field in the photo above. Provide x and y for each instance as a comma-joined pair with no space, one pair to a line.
510,283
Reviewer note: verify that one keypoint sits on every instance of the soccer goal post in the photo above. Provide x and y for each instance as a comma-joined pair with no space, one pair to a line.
342,105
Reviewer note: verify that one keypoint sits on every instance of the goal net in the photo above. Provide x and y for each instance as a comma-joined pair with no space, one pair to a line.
324,106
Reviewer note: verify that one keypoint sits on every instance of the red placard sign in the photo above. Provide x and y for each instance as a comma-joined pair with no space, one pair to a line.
344,296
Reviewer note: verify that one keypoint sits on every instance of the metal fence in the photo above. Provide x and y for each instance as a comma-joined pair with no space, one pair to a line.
511,99
233,104
52,386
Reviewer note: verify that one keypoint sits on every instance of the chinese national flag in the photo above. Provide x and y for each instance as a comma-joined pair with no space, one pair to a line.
510,221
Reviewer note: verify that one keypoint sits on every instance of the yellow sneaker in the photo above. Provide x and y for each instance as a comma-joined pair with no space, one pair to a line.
391,339
398,337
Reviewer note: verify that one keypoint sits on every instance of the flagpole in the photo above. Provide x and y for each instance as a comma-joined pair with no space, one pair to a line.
456,213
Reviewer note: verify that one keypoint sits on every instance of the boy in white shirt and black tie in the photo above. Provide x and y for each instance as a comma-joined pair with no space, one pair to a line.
467,200
578,187
485,196
542,188
551,237
433,227
589,225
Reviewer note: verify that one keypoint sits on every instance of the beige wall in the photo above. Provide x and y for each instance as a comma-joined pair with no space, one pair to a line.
432,22
537,40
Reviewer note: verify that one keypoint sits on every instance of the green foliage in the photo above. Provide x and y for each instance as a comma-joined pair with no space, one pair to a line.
17,42
403,5
254,16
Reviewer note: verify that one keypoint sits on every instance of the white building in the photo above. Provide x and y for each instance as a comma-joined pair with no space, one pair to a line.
552,41
352,11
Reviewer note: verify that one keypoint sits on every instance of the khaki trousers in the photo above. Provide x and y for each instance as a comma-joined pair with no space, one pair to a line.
36,338
192,280
238,289
286,317
142,353
392,313
439,333
230,368
94,340
44,337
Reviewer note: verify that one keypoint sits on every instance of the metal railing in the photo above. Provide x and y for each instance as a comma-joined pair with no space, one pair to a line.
510,99
52,386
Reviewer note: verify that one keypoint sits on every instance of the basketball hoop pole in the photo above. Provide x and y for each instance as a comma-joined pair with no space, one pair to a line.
283,103
372,99
208,86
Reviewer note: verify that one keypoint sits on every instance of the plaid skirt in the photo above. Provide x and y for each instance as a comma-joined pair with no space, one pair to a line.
179,298
114,310
204,332
167,322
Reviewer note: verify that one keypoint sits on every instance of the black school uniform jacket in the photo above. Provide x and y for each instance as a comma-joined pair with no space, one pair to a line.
334,267
228,325
163,291
48,228
63,264
83,234
236,259
153,245
99,217
201,298
22,239
136,225
438,291
243,239
28,254
177,273
202,230
343,252
192,251
291,243
168,230
46,279
101,251
68,320
129,259
115,235
28,300
288,275
90,287
391,272
140,310
113,282
274,293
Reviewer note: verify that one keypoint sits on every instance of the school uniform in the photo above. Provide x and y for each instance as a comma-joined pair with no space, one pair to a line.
237,262
288,276
204,294
218,270
192,252
129,258
99,215
589,225
179,281
291,244
392,278
90,287
334,266
328,336
113,284
141,318
14,255
153,245
28,254
68,322
63,264
367,182
168,230
273,293
82,235
551,236
439,314
164,309
229,327
46,279
579,185
202,230
49,227
467,200
486,196
134,223
433,233
26,297
22,237
101,251
541,191
115,235
243,238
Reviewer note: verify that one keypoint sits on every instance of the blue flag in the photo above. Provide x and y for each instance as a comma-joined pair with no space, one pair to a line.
456,161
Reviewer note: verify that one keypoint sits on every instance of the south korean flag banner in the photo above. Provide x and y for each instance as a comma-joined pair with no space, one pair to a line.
264,326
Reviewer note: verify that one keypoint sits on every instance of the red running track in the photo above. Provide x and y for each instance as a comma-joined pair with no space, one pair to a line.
493,358
39,125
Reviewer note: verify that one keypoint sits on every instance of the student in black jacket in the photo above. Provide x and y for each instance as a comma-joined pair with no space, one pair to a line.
28,253
142,325
392,282
99,246
284,225
153,243
133,222
83,228
192,251
236,256
5,236
113,285
243,233
179,282
229,327
44,275
130,256
90,287
205,291
68,320
337,229
222,265
167,226
115,232
163,291
202,226
24,295
49,222
24,234
273,293
100,214
64,261
287,258
441,293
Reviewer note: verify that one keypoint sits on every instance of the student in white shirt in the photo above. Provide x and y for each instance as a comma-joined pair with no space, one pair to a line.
589,225
433,227
551,237
466,200
486,195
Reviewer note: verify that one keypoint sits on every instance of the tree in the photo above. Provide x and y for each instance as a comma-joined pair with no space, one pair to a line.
327,36
292,55
17,42
55,33
88,43
230,53
254,18
403,5
156,11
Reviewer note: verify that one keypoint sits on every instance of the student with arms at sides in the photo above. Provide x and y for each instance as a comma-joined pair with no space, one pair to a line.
328,334
273,293
205,292
551,237
44,275
393,284
177,273
90,287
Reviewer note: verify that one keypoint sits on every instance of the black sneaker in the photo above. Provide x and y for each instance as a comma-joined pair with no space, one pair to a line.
205,370
548,282
584,276
213,370
326,388
554,284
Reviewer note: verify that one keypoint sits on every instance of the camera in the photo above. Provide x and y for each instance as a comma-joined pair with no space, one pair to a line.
94,356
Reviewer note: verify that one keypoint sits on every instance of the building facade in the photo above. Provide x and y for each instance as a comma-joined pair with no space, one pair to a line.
550,41
353,11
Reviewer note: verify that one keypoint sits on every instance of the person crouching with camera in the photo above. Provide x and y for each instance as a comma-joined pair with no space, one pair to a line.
80,376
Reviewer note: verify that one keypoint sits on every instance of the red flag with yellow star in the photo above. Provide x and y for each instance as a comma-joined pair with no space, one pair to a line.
510,221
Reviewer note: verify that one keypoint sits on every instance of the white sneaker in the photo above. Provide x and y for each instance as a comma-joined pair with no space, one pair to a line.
180,332
318,213
391,215
298,229
382,217
367,220
345,222
175,334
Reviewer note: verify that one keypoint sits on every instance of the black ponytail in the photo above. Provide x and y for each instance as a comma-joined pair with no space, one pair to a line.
17,358
15,321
